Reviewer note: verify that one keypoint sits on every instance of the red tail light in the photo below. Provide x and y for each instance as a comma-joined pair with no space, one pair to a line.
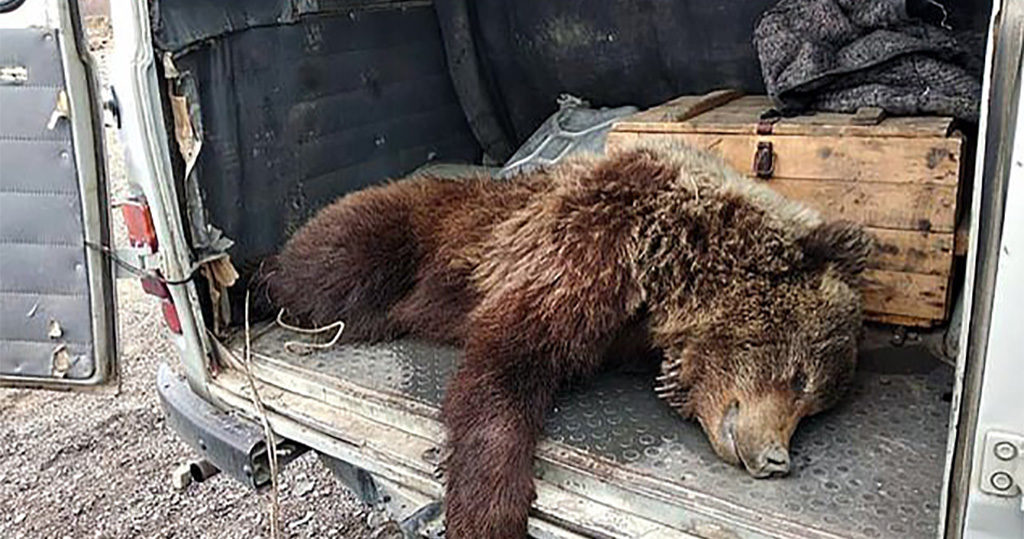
171,315
142,234
155,287
139,221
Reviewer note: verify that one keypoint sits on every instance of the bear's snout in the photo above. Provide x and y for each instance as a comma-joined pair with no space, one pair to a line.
755,434
771,462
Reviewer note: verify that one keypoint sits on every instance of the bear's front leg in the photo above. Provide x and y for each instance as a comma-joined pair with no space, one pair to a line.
519,351
494,411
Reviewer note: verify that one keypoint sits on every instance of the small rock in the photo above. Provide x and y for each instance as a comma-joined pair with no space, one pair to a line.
19,518
181,477
304,487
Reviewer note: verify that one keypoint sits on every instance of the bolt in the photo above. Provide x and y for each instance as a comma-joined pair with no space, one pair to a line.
431,455
899,336
1001,481
1005,451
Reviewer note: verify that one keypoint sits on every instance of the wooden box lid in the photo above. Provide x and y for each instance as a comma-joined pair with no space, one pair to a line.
897,173
730,112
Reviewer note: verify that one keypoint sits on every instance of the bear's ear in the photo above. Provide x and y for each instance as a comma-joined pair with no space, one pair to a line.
843,244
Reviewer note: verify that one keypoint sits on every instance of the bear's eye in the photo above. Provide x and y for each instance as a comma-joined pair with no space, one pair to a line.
799,383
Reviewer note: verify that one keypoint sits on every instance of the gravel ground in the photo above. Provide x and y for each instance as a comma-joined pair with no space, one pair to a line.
94,465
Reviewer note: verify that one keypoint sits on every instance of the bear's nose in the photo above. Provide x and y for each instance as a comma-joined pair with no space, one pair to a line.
773,461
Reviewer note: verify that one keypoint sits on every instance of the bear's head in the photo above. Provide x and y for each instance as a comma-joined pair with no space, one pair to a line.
767,351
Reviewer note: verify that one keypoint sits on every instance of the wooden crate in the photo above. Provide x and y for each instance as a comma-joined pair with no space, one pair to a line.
899,177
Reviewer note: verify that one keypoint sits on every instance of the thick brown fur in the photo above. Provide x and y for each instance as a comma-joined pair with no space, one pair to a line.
749,297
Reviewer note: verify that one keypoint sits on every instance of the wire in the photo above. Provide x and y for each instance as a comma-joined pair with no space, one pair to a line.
135,270
268,431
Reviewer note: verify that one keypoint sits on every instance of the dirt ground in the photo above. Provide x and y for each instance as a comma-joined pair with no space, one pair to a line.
81,465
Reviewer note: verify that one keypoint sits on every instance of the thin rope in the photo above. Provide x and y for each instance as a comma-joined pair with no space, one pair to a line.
301,348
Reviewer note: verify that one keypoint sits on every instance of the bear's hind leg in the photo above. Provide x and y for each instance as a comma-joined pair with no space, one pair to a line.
352,262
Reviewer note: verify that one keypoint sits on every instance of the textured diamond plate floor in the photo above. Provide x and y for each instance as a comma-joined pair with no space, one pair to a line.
870,468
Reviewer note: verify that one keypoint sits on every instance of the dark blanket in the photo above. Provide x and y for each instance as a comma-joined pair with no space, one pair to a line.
838,55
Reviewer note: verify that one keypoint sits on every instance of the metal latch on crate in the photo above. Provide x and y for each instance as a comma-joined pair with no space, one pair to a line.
764,156
1002,465
764,160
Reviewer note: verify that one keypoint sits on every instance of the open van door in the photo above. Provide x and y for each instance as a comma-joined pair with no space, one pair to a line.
985,495
56,285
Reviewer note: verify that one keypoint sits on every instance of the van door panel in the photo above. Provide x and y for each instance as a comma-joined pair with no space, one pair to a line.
55,296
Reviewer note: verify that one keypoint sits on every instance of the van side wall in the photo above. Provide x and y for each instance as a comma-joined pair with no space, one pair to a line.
294,115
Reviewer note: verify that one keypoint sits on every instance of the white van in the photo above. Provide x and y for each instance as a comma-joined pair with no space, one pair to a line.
240,119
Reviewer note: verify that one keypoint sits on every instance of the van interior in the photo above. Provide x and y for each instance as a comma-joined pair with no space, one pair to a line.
298,103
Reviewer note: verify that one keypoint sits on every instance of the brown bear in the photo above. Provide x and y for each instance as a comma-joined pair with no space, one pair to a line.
751,300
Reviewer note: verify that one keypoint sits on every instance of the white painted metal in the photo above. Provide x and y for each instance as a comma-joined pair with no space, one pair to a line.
133,75
39,13
1002,406
963,397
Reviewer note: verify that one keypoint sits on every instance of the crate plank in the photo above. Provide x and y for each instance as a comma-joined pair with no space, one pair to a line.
741,115
912,251
867,159
900,320
685,107
905,294
926,208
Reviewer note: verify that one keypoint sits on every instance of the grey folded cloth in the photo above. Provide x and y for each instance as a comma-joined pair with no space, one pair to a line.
839,55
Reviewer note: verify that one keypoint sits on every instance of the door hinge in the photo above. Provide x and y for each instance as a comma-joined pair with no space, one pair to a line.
111,108
1002,465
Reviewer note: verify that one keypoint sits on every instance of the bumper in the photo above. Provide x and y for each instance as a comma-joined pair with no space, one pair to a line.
234,445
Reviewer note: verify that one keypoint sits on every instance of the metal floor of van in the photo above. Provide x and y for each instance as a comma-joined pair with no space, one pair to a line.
872,467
